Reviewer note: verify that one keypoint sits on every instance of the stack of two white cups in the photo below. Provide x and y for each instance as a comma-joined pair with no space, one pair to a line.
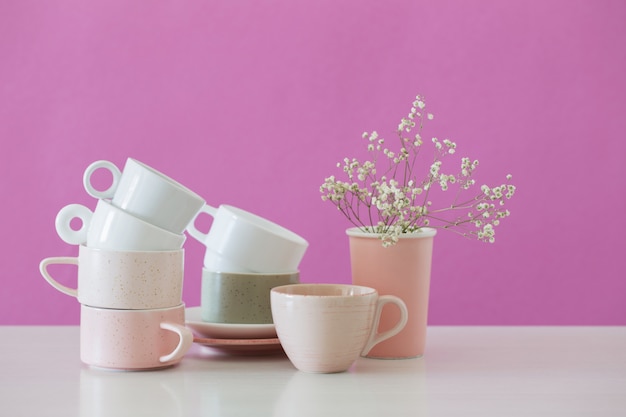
130,267
246,256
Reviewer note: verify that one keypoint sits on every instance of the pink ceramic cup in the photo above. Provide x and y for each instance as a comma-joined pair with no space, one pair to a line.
133,339
123,279
323,328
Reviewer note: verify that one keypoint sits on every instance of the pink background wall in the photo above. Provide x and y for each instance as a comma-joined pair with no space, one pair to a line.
252,103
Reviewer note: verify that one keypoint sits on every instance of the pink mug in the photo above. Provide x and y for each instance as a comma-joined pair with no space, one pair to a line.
133,339
324,328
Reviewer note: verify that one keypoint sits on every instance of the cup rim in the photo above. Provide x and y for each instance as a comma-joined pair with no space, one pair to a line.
234,258
180,306
265,224
292,290
423,232
250,274
84,246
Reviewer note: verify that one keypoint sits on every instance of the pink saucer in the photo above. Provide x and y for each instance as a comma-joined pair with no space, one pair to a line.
242,346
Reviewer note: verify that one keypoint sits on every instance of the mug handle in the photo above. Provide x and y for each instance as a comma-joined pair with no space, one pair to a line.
375,337
193,231
63,260
63,219
185,341
109,166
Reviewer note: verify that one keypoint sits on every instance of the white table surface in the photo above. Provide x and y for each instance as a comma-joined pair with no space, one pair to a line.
467,371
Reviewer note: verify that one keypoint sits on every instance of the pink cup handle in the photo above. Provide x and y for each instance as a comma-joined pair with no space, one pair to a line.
375,337
185,341
43,268
193,231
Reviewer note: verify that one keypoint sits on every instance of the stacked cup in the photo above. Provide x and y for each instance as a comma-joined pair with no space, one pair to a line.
246,256
130,267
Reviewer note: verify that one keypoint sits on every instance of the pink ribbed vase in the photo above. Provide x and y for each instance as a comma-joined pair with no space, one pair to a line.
402,270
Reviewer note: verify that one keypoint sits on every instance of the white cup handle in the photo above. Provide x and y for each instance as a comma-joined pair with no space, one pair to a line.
375,337
191,228
109,166
185,341
43,268
64,229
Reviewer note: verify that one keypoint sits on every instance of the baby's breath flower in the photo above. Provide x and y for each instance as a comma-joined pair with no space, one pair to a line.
390,195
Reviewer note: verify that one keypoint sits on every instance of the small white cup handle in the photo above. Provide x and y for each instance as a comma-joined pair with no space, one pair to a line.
185,341
64,229
43,268
375,337
109,192
193,231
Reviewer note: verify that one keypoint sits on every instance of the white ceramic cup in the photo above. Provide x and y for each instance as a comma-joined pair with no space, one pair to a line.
109,227
123,279
324,328
239,241
133,339
148,194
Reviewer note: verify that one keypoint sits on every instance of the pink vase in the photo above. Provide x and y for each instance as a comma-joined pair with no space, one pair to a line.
402,270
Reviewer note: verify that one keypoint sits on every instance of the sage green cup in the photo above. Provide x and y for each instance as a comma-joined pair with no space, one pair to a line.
240,298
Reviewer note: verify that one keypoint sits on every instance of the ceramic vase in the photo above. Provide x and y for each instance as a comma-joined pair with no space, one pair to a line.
402,270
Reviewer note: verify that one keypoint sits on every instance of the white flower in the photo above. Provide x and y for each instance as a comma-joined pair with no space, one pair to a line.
391,194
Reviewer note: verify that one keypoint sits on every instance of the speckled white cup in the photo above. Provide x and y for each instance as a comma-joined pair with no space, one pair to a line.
133,339
123,279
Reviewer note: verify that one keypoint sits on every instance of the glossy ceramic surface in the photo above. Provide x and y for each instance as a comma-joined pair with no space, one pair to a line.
110,227
148,194
239,241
